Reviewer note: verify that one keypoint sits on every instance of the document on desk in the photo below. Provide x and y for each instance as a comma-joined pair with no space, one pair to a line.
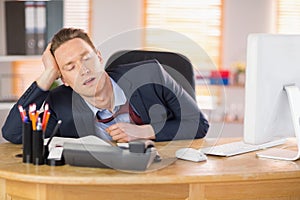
56,145
88,140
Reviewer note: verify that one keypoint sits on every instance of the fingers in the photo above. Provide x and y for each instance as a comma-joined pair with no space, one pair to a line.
127,132
122,140
48,46
114,130
117,133
119,136
47,51
50,62
51,72
113,127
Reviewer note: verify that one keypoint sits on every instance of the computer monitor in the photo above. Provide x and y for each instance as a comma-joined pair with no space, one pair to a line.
273,62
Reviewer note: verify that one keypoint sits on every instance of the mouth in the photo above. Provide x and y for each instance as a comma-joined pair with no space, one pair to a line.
89,81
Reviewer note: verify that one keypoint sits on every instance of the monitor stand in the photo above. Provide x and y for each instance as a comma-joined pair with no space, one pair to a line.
293,95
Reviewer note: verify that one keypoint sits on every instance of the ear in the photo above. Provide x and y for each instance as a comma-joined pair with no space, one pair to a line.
99,56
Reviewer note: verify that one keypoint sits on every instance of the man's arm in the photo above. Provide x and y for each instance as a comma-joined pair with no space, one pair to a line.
173,113
12,128
187,122
36,93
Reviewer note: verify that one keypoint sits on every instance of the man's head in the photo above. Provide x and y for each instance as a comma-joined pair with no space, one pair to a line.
67,34
78,60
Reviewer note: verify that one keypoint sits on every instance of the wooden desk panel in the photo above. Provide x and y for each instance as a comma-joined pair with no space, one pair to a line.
239,177
24,190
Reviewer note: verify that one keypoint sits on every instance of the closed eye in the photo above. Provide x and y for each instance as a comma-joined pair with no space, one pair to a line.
69,67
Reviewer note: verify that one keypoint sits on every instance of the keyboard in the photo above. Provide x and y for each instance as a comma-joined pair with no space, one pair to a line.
236,148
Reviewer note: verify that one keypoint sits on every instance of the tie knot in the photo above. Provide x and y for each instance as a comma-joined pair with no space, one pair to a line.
103,120
105,116
126,108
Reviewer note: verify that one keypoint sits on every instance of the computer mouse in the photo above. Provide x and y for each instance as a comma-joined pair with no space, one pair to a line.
190,154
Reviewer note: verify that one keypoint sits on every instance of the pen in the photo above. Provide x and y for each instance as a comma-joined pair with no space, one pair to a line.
34,120
39,125
26,119
45,121
44,116
54,132
31,110
22,112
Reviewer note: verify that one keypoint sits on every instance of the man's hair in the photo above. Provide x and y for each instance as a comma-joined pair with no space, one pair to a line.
67,34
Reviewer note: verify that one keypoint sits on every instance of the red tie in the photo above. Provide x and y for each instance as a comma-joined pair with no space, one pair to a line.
126,108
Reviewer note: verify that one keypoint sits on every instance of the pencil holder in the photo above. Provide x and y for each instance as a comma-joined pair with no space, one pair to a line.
38,148
27,142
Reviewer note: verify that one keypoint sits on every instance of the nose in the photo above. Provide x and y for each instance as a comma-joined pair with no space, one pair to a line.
83,68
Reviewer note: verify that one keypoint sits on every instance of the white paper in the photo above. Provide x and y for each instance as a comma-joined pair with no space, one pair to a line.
90,139
56,153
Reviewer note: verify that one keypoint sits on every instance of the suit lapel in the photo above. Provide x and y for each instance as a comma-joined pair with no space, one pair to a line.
139,105
133,94
83,117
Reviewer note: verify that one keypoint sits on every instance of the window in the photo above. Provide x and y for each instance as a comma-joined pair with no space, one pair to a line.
77,14
288,16
199,20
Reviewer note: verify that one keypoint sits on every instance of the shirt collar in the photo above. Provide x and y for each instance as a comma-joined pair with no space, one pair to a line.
119,98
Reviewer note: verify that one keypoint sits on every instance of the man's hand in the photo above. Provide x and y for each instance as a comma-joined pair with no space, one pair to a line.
51,72
125,132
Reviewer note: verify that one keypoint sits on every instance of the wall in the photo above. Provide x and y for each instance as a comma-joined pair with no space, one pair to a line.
6,78
242,17
4,110
115,25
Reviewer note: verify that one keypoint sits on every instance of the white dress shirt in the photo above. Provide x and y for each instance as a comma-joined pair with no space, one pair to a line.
119,100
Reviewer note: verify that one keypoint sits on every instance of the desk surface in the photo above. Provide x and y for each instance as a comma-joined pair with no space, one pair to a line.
246,167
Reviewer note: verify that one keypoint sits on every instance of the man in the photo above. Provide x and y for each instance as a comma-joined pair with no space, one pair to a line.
155,106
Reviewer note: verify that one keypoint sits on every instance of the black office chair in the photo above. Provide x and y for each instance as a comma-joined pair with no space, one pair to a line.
172,63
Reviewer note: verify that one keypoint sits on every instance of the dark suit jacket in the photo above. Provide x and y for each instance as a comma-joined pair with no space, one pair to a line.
154,94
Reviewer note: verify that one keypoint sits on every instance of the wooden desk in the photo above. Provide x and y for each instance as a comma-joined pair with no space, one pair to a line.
238,177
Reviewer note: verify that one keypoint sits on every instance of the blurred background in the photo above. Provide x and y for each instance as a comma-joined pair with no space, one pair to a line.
211,33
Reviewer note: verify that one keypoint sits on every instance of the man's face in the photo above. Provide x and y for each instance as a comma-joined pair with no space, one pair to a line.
81,67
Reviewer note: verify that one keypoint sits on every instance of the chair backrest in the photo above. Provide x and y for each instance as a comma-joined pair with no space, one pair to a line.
172,63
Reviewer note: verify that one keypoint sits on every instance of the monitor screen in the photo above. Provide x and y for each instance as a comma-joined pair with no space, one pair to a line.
273,61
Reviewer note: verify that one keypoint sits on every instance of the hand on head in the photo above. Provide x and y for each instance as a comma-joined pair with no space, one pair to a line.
50,62
51,72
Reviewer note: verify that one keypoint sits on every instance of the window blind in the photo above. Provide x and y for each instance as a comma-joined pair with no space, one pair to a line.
77,14
288,16
198,20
